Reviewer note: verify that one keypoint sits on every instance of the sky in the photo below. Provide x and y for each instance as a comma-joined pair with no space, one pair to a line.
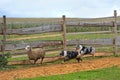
57,8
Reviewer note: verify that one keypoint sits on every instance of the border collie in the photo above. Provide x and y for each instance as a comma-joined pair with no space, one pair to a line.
68,55
84,50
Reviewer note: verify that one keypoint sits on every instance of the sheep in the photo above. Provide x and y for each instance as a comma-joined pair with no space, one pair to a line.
35,54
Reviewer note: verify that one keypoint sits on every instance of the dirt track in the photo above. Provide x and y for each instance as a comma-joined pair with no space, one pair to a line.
59,68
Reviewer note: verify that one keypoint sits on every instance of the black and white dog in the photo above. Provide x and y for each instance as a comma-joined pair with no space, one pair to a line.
83,50
68,55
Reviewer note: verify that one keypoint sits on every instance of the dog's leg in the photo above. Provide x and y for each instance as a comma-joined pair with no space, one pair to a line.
93,52
62,58
93,55
79,59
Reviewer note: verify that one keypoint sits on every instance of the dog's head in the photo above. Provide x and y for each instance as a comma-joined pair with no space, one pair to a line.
79,47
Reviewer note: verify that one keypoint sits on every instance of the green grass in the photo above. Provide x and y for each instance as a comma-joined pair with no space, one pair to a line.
111,73
88,28
44,20
89,36
18,58
26,57
69,36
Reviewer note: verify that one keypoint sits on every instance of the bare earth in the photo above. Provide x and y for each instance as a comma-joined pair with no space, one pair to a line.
59,68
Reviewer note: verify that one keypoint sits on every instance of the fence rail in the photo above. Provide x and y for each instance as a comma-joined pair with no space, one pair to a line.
91,42
53,28
33,30
22,45
96,32
93,24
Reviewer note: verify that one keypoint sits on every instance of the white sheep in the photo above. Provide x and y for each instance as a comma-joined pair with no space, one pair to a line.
35,54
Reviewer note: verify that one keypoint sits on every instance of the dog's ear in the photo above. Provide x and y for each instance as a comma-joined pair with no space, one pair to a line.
80,46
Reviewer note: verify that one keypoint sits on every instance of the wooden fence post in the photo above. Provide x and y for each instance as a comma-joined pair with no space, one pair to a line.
64,31
115,32
4,34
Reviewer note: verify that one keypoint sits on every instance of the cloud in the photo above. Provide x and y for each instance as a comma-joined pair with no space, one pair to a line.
57,8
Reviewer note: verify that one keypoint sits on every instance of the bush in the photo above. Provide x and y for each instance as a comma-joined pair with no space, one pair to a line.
3,59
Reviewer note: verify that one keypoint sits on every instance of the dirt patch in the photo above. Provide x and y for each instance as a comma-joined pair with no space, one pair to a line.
59,68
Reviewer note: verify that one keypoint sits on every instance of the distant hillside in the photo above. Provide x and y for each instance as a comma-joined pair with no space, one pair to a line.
104,19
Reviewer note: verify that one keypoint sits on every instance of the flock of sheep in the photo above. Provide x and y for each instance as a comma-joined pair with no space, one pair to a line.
63,55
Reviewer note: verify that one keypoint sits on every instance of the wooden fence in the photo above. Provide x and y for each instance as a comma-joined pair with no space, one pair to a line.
115,41
5,45
33,30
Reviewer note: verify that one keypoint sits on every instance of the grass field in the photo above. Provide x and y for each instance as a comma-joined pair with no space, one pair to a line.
107,19
57,36
111,73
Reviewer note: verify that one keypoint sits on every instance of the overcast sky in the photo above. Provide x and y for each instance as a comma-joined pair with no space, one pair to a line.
57,8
